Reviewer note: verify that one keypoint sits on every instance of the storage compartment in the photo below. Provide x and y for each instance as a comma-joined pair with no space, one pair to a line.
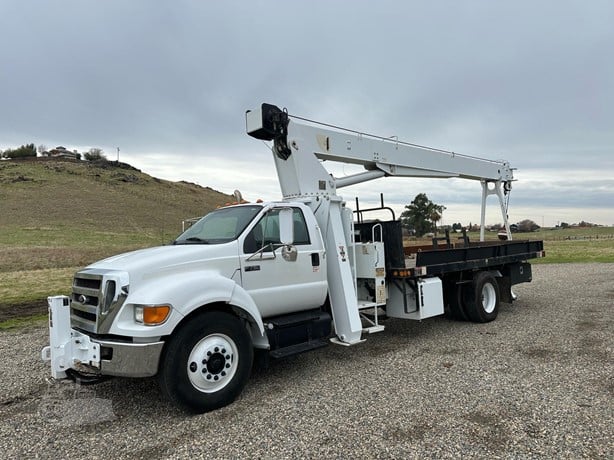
518,273
419,299
298,328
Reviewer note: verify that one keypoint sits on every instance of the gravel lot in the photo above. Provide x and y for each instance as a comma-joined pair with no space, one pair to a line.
536,383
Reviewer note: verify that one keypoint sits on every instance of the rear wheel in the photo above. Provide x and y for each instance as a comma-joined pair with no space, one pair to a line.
206,363
481,298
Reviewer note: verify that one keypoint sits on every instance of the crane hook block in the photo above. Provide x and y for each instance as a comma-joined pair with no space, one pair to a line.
267,123
270,123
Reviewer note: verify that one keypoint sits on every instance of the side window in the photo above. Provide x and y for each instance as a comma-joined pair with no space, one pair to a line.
301,234
266,232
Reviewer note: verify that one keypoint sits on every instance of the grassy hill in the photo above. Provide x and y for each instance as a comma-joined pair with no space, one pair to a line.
59,215
101,196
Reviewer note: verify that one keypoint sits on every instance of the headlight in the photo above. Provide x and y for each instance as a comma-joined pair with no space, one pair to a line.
151,315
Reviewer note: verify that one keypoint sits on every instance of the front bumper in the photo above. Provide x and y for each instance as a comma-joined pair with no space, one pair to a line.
71,349
131,359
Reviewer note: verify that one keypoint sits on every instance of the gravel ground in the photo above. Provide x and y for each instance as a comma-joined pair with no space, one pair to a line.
536,383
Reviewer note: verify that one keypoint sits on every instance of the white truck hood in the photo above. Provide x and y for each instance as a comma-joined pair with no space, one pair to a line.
222,258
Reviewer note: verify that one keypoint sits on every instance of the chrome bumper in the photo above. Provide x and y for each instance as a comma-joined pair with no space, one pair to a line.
130,359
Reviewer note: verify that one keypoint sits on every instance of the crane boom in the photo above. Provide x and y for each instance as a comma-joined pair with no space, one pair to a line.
299,148
397,158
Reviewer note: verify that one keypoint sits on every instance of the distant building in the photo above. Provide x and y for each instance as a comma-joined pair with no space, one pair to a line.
62,152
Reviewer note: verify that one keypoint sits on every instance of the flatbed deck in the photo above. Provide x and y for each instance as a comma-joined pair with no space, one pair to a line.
485,254
444,257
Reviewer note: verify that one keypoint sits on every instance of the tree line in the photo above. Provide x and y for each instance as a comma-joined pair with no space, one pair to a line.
30,150
421,216
24,151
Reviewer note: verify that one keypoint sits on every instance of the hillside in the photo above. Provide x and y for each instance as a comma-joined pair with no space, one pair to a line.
59,215
97,196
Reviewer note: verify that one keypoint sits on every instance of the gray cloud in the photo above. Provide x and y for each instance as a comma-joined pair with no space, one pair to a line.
169,83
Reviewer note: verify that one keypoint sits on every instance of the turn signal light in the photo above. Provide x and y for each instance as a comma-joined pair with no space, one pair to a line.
151,315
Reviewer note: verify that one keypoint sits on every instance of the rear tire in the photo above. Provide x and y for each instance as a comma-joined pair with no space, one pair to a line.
207,362
481,298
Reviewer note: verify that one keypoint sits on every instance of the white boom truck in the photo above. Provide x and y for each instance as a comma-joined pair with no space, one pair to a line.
284,277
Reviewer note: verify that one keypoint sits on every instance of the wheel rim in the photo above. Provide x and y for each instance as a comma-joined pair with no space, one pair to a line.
213,363
489,298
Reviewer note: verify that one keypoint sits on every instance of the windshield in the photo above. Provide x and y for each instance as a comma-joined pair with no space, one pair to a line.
220,226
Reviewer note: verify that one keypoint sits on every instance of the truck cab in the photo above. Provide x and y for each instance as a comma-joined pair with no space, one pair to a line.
260,264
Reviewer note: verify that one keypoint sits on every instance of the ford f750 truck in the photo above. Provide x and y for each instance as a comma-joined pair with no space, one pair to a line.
283,277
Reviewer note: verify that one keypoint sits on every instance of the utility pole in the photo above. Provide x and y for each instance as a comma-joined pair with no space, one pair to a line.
117,154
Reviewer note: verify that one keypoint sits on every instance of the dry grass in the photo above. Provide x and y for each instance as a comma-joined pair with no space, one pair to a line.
90,197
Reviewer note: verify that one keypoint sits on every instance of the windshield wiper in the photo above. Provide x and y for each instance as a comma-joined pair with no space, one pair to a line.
194,239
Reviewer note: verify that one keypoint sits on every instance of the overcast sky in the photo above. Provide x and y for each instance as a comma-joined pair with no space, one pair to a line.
531,82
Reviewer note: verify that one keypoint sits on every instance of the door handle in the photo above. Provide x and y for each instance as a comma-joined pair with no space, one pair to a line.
315,259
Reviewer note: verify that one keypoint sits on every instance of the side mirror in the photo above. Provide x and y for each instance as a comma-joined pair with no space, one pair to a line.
286,226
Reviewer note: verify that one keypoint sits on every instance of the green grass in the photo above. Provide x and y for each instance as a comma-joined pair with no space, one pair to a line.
23,286
579,245
32,248
578,251
20,323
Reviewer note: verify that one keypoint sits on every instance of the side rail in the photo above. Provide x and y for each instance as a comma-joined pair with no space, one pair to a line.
449,260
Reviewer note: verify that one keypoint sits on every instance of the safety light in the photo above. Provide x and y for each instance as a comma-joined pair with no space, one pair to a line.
151,315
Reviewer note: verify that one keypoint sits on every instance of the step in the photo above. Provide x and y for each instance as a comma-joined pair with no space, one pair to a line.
298,348
373,329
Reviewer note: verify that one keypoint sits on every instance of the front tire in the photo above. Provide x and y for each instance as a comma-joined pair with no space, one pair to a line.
481,298
207,362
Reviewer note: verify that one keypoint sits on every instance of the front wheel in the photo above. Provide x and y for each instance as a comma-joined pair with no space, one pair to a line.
207,362
481,298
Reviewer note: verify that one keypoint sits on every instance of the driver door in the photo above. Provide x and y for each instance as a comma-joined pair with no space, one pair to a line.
281,284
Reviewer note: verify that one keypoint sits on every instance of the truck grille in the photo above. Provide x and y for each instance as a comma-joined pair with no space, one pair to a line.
85,302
